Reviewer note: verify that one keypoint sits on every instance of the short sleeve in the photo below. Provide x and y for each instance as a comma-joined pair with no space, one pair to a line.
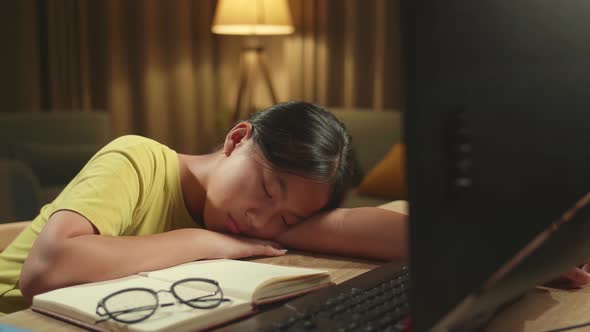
106,192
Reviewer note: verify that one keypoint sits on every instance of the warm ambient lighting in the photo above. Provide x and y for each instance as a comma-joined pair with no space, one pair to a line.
252,17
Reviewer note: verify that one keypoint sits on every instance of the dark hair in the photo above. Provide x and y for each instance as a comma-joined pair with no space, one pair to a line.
306,140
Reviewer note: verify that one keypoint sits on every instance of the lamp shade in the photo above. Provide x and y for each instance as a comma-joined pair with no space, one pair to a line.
252,17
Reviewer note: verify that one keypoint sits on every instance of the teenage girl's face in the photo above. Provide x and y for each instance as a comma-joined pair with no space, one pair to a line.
246,196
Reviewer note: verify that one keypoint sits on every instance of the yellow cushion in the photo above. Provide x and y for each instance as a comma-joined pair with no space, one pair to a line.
387,178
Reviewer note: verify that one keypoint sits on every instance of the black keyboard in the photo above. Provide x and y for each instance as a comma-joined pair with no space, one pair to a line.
374,301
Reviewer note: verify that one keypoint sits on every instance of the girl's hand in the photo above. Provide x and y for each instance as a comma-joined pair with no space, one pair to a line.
233,246
579,276
576,277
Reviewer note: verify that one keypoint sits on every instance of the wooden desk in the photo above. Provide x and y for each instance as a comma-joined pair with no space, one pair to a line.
543,309
540,309
341,269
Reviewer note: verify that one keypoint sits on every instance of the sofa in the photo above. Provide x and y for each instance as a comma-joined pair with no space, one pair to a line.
373,135
41,152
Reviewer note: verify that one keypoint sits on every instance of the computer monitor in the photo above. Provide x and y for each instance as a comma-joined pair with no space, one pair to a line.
497,122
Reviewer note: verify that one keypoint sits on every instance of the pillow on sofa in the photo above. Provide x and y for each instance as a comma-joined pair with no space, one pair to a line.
55,164
387,178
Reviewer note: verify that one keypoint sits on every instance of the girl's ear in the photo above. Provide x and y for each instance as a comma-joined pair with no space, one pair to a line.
238,134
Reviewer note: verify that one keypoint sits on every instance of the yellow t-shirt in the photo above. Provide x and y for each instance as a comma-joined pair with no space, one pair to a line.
129,187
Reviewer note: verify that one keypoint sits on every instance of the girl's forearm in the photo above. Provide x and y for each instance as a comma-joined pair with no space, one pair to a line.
368,232
378,233
89,258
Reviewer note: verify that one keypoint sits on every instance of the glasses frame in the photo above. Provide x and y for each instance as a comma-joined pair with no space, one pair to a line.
106,314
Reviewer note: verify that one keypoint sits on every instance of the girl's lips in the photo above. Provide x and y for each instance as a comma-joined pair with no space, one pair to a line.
232,225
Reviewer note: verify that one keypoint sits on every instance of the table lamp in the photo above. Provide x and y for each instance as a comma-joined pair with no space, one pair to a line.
252,18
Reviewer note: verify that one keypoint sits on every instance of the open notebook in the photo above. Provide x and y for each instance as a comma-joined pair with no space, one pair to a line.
245,284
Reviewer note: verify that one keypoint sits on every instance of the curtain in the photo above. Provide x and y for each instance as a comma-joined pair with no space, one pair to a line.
157,69
151,64
345,53
162,80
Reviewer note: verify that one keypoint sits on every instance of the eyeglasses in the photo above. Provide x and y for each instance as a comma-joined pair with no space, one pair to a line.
133,305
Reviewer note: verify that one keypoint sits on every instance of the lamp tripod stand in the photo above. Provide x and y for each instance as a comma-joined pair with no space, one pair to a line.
251,57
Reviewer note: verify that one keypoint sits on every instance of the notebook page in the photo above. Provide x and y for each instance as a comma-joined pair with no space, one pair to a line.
79,303
235,277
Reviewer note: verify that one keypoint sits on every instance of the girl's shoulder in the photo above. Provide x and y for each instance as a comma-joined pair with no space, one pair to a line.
134,145
130,141
141,153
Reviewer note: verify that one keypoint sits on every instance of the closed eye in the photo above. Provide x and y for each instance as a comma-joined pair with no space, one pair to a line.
266,189
285,221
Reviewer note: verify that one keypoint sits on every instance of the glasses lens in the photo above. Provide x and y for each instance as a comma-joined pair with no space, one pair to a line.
199,294
131,306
